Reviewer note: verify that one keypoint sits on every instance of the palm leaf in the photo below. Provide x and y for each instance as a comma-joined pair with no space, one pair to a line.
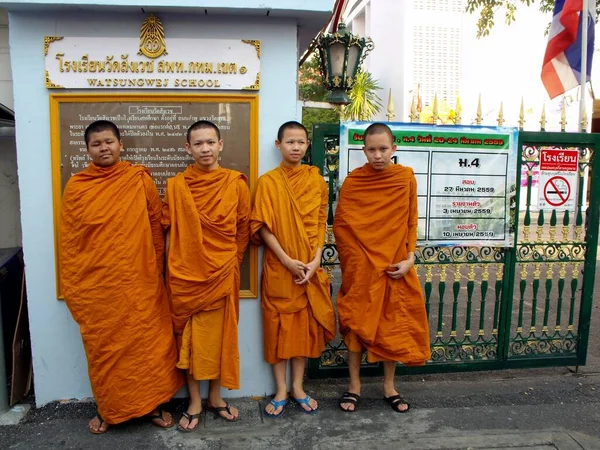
364,101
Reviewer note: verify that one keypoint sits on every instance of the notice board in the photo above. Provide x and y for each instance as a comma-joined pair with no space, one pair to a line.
465,176
153,129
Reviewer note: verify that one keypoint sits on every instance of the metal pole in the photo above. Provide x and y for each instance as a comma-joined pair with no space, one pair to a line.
3,384
584,46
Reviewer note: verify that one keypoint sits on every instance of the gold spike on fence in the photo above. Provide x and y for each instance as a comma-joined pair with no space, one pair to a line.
500,118
543,118
457,111
521,120
479,116
435,110
563,115
390,108
438,113
414,116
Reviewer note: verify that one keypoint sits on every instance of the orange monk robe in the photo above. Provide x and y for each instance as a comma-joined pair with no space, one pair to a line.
376,225
111,259
207,213
298,321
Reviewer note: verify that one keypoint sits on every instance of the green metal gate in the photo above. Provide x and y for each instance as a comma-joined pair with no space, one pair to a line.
495,308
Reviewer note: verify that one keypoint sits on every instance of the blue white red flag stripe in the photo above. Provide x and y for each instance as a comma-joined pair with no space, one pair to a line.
561,69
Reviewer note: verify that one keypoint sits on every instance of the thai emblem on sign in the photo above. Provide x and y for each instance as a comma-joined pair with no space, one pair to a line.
152,38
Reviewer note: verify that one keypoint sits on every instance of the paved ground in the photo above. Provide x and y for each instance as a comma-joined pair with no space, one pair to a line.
534,410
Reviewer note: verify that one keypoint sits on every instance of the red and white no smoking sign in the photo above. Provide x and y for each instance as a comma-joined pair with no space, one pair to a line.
558,179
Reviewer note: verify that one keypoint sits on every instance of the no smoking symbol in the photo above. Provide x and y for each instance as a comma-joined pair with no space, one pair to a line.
557,191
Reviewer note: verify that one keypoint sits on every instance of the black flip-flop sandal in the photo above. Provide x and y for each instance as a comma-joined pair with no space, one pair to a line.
349,397
190,418
218,410
395,401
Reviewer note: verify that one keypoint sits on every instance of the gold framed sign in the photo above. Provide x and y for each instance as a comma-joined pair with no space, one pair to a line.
153,129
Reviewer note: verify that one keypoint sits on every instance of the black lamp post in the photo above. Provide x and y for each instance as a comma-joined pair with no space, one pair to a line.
341,54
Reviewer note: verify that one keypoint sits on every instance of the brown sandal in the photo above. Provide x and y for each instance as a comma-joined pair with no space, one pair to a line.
190,418
218,410
99,430
159,416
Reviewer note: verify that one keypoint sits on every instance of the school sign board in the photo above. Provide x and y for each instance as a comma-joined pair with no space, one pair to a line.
465,179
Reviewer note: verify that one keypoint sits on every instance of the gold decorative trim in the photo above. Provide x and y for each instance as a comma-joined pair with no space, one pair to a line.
255,43
255,86
50,84
49,40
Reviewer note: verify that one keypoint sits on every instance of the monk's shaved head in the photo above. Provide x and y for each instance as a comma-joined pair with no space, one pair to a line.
200,125
98,127
291,125
379,128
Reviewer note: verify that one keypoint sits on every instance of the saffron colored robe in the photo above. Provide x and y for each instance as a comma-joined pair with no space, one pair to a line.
111,261
298,320
207,213
376,225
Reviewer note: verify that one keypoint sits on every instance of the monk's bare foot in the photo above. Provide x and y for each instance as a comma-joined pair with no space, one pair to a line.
300,397
270,408
398,404
191,419
223,409
352,389
97,425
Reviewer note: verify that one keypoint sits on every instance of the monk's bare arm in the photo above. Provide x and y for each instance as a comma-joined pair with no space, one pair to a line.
154,205
243,220
297,268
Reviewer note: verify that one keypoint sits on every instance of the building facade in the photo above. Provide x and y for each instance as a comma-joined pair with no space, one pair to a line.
284,31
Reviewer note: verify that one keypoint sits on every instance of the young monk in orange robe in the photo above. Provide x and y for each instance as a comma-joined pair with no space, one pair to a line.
111,261
289,217
206,212
380,304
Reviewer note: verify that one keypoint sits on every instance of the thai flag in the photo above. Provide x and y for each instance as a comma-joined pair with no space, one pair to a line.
561,70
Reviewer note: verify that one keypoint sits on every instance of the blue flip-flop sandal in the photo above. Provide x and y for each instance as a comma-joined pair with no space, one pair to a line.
277,404
306,401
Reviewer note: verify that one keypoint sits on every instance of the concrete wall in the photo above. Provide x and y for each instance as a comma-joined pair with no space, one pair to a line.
10,223
6,93
59,361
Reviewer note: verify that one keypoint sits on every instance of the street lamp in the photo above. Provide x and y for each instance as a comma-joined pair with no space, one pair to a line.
341,54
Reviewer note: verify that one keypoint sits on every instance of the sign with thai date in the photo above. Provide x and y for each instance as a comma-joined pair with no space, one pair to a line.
465,178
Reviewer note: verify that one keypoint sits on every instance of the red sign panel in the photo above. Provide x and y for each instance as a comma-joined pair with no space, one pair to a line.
559,160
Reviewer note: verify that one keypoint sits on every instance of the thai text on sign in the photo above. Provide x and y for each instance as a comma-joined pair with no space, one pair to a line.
466,177
559,170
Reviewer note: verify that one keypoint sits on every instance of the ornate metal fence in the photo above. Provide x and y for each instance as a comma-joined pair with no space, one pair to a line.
491,308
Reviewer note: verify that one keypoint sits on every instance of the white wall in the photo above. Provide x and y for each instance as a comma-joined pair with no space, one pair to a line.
59,361
387,23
